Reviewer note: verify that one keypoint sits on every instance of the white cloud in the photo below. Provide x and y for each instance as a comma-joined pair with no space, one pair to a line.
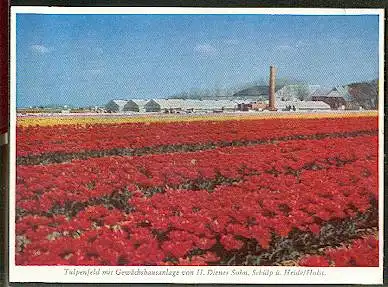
41,49
205,49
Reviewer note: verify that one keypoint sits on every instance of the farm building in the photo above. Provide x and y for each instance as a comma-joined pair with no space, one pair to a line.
193,105
245,104
152,106
340,92
300,92
338,98
141,103
259,106
135,105
115,106
321,92
131,106
189,105
313,105
164,105
301,105
218,105
178,105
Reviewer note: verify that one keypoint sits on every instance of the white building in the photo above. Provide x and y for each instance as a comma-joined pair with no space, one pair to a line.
115,106
302,105
296,92
180,105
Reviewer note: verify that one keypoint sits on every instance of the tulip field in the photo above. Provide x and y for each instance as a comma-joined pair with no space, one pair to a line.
266,192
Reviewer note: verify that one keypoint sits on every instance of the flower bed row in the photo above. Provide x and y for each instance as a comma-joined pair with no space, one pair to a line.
113,246
252,222
60,157
339,193
42,188
99,236
99,137
230,202
361,253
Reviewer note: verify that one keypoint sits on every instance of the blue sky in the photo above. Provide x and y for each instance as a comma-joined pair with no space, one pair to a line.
90,59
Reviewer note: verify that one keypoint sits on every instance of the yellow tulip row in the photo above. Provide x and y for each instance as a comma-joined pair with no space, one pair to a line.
111,118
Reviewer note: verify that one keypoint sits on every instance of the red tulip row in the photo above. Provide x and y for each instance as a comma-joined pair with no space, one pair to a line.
50,158
42,188
98,137
169,228
245,205
125,245
338,192
198,227
361,253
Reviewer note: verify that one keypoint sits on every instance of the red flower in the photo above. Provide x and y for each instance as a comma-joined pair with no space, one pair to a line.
315,228
230,243
314,261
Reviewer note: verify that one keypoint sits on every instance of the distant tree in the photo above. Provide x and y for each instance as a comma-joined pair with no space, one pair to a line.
182,95
225,92
302,92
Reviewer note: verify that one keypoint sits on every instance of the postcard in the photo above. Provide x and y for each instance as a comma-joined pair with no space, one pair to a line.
196,145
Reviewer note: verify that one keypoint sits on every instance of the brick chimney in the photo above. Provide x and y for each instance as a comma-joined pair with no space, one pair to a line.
272,84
